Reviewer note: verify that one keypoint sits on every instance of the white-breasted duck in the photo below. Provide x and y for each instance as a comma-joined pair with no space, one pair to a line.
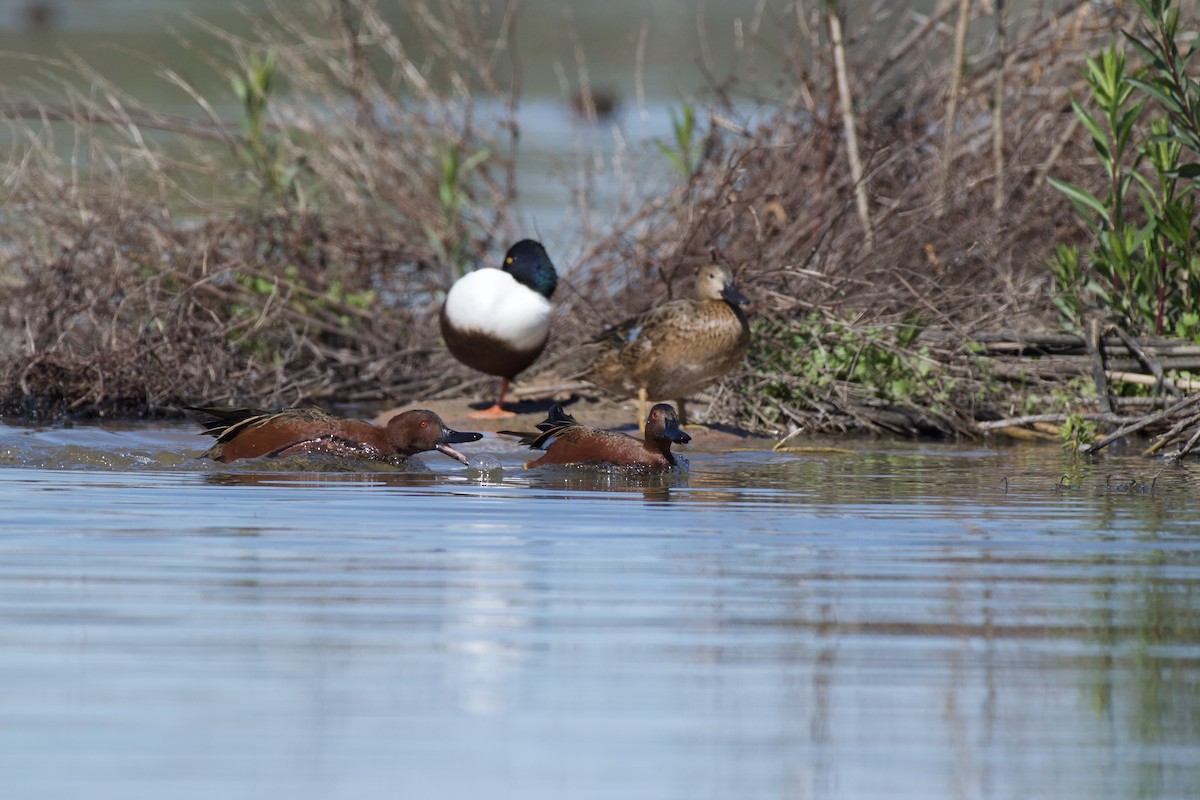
497,321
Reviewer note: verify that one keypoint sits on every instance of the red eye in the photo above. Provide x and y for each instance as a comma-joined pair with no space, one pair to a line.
424,424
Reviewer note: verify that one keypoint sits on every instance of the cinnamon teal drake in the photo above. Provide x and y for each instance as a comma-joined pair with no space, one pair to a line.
249,433
497,321
567,442
672,351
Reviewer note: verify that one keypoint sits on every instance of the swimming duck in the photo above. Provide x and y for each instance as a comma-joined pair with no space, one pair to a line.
674,350
567,442
497,321
248,433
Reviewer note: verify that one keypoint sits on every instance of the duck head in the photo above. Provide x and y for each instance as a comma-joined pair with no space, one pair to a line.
715,282
663,425
528,263
419,431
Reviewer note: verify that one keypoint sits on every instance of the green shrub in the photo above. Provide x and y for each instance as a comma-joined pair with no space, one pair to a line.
1144,269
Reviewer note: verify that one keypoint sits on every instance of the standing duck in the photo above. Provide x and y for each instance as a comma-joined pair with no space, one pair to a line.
674,350
497,321
567,442
248,433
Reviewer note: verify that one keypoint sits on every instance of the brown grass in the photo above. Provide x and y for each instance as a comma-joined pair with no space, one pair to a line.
163,270
777,202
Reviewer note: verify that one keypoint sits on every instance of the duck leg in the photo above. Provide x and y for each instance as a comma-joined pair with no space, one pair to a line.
496,411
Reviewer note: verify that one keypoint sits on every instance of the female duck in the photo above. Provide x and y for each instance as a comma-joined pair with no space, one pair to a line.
248,433
676,349
497,321
567,442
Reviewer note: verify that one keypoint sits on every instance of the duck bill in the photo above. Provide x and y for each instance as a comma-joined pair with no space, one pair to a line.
442,447
731,294
675,433
450,437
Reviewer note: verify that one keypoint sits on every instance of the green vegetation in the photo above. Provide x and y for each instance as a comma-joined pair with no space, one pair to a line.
820,357
260,150
451,241
1143,266
687,149
1077,433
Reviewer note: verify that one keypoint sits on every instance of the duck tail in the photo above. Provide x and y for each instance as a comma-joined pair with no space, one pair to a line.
525,437
555,423
221,422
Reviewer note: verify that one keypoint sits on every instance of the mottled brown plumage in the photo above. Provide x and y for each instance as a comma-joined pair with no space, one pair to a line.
249,433
674,350
567,442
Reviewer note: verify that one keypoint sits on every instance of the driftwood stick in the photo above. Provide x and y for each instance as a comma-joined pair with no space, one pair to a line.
1014,422
1149,363
1163,439
1144,422
1096,356
1191,443
1175,385
1014,340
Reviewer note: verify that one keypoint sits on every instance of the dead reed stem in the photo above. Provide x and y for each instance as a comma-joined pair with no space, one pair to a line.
849,126
957,65
1000,197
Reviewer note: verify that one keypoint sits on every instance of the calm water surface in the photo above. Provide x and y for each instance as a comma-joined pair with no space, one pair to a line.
906,620
903,620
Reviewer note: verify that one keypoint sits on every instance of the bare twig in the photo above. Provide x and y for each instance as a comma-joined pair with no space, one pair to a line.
950,137
1057,419
1144,422
849,126
1000,194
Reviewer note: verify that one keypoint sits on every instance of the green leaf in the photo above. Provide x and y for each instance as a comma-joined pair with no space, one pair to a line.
1164,96
1099,139
1080,197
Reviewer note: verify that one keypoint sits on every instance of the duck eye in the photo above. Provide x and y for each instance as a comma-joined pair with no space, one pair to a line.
424,424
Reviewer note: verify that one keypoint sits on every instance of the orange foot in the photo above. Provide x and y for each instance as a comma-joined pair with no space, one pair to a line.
495,412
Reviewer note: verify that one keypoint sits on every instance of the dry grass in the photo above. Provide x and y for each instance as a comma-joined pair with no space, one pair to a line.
314,273
777,202
309,265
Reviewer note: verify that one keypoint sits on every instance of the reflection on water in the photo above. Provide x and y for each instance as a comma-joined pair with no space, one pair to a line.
902,621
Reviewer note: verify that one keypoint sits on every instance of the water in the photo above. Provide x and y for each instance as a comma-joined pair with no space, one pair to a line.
901,620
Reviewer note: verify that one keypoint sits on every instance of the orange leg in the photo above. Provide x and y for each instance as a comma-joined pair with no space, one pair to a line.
497,410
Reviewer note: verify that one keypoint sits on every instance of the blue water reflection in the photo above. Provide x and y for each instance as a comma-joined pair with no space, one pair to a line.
904,621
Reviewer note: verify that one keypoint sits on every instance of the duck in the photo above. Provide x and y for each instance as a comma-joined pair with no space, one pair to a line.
250,433
497,321
674,350
567,442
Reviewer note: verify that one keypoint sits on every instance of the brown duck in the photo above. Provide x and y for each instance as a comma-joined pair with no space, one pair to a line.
567,442
249,433
674,350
